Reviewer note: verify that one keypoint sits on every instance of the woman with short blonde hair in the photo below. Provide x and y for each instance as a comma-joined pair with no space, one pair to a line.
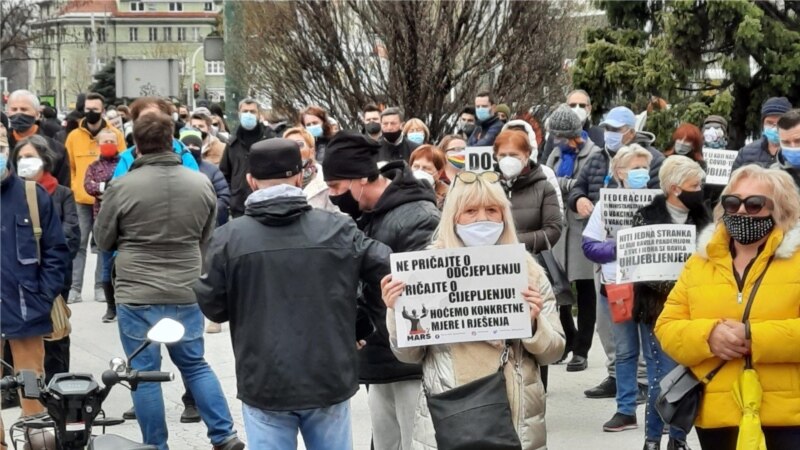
416,131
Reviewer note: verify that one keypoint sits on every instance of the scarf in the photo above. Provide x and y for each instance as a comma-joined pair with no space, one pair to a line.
566,167
48,182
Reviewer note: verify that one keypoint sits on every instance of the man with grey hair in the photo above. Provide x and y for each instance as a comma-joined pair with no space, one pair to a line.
394,145
23,113
234,164
579,101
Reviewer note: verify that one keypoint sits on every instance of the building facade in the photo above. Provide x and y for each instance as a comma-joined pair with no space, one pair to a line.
78,38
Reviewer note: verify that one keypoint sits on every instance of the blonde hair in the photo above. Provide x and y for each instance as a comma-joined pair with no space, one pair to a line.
414,124
307,137
678,169
107,131
782,191
624,156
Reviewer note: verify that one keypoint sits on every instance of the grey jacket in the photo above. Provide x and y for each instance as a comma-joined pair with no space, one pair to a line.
156,218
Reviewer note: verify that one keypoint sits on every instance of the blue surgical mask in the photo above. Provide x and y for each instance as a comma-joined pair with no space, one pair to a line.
791,155
3,164
315,130
483,113
613,140
416,137
248,120
481,233
771,134
638,178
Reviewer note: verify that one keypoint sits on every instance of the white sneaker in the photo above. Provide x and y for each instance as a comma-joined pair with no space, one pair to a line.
99,295
213,328
74,297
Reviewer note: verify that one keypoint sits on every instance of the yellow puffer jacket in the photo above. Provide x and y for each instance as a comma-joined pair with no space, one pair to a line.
707,292
83,150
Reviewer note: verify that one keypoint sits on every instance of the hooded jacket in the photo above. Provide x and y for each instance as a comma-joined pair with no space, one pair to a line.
706,293
548,172
235,163
451,365
293,330
83,150
535,208
486,132
593,176
127,158
404,218
756,152
29,283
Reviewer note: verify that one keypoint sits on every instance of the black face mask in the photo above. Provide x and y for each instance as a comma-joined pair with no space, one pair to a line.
347,204
93,117
748,229
203,135
468,128
392,136
373,128
692,199
196,153
21,122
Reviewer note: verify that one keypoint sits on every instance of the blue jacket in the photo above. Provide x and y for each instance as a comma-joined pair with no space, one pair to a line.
126,159
220,188
485,133
28,287
756,152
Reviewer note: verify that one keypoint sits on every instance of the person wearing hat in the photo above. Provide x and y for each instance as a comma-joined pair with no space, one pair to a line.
294,338
620,130
156,218
715,132
397,209
764,151
572,149
503,112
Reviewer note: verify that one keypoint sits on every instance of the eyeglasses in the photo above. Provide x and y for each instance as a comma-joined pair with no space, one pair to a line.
752,205
580,105
471,177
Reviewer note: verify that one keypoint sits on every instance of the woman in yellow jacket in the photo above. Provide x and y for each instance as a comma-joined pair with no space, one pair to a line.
757,233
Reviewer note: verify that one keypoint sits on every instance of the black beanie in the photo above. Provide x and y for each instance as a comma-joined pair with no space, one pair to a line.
350,156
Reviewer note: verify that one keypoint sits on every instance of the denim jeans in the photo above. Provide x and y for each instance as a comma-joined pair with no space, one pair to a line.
86,222
108,263
187,354
626,361
322,428
658,365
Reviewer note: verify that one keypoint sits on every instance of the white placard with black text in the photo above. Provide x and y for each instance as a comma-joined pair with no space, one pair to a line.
654,252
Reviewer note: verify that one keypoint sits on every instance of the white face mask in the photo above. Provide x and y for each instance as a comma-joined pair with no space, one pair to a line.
480,233
422,175
29,167
581,112
510,167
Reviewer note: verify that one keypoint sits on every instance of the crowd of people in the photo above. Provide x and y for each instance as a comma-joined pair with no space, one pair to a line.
205,224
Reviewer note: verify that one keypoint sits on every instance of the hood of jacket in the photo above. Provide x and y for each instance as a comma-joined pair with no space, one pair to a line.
404,188
277,206
157,159
714,240
531,135
644,138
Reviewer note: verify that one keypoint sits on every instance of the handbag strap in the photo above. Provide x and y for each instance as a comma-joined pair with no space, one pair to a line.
503,361
745,317
33,210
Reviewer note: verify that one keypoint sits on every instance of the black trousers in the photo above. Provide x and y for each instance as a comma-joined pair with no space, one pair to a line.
579,340
777,438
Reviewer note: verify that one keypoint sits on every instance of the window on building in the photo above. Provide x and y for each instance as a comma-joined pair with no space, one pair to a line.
215,67
137,6
181,34
175,6
87,34
153,34
133,34
181,67
167,34
208,6
101,35
196,34
151,6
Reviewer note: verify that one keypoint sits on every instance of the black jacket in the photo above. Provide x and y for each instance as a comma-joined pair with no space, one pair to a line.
404,218
593,176
51,127
650,296
234,164
60,164
64,205
400,152
286,276
756,152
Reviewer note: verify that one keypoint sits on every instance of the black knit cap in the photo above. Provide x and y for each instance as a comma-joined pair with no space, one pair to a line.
350,156
275,158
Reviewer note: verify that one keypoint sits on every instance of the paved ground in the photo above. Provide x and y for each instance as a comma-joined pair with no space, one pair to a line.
573,421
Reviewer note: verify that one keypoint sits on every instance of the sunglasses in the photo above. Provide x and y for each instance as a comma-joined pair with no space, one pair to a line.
472,177
752,205
580,105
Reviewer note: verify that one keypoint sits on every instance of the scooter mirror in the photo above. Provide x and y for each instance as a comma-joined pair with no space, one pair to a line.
166,331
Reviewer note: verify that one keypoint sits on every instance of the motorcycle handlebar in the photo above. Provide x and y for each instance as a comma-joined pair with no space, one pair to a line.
111,378
9,383
155,377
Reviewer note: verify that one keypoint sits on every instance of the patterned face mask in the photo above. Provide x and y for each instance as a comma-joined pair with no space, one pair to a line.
747,229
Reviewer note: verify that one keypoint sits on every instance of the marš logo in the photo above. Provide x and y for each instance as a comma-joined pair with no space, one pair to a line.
417,333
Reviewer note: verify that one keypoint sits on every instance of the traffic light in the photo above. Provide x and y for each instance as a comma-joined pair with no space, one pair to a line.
196,88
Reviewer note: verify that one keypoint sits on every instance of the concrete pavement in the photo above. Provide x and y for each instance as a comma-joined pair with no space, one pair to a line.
573,421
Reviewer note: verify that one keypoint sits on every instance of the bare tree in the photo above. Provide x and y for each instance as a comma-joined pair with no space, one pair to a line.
428,57
16,33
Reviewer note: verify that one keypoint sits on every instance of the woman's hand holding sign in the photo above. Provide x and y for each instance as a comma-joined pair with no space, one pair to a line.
391,290
534,299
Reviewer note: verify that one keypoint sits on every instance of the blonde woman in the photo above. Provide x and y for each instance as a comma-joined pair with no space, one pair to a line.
756,234
475,204
416,131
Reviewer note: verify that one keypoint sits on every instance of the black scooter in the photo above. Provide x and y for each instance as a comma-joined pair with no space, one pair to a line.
74,400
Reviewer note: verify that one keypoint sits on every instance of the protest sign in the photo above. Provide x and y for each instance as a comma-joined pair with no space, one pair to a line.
653,252
719,164
462,295
620,204
479,159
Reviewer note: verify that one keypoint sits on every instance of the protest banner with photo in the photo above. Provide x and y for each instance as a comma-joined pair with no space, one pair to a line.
462,295
653,252
620,204
719,164
479,159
